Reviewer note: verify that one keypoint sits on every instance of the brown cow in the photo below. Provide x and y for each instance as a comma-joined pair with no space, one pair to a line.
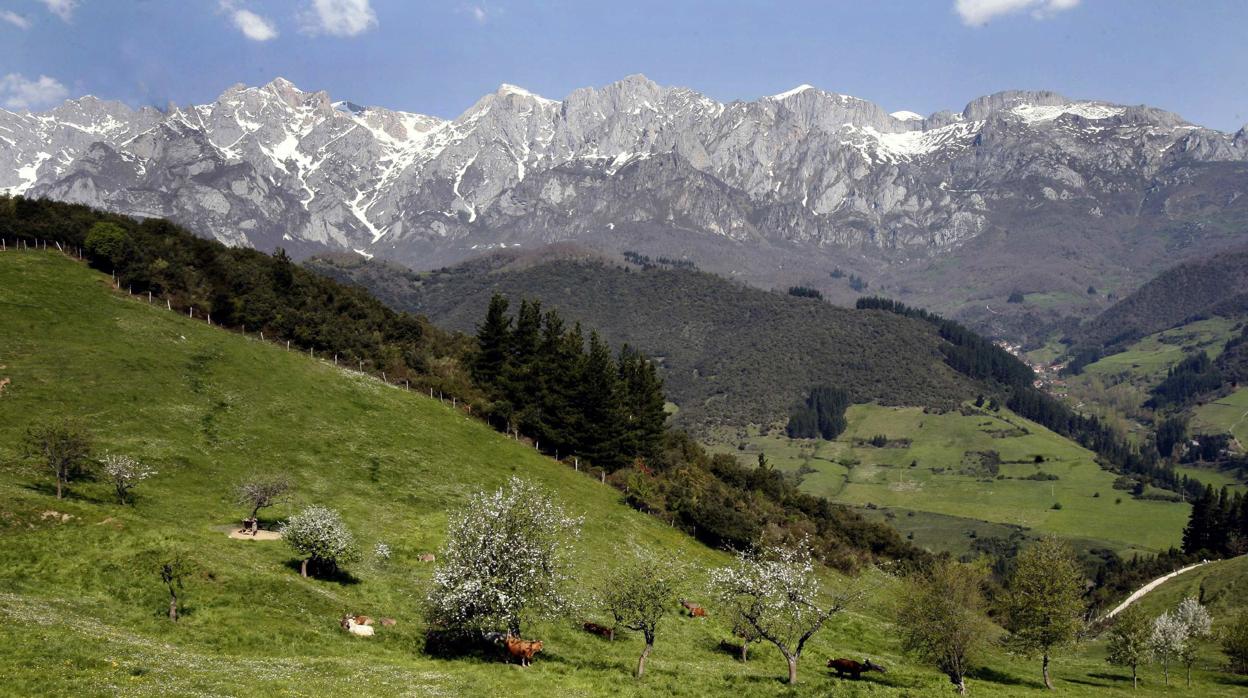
848,668
427,557
599,630
695,610
523,649
388,622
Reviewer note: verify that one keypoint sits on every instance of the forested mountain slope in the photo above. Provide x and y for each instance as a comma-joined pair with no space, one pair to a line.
730,354
1193,290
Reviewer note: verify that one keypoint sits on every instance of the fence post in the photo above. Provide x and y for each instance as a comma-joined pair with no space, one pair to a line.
149,297
383,377
288,345
190,312
168,305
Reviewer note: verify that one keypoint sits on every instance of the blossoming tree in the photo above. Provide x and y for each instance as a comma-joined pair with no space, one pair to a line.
506,560
775,591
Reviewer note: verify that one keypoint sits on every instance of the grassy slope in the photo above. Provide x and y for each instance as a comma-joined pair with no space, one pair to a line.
883,477
83,607
1228,415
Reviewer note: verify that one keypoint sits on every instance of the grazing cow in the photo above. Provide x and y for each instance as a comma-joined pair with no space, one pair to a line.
848,668
358,629
523,649
695,610
600,630
388,622
363,620
427,557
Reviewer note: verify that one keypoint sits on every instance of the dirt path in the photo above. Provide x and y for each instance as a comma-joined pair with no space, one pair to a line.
259,535
1139,593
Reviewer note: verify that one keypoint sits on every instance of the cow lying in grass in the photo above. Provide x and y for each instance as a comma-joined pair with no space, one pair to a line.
361,626
848,668
522,649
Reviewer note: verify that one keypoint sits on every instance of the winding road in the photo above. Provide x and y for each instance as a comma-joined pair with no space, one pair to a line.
1139,593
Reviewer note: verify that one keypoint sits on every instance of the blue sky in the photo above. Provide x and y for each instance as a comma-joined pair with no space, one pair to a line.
439,57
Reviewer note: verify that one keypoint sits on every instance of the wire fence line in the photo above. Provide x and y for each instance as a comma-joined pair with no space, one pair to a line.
328,358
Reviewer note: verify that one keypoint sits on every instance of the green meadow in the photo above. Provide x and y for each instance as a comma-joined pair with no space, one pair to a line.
932,465
83,607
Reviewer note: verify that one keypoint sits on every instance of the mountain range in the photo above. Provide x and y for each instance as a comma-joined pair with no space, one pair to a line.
1026,191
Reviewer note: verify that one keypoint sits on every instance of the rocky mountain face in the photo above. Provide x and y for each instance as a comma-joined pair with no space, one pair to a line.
947,210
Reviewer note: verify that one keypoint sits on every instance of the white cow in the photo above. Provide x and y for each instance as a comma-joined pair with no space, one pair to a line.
360,629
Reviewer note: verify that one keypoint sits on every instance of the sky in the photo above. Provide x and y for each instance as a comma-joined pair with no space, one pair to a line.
438,58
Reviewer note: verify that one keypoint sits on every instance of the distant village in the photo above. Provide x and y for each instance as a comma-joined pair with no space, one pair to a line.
1048,376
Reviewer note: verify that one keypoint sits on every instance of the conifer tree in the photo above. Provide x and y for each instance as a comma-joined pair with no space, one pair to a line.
643,404
493,344
601,407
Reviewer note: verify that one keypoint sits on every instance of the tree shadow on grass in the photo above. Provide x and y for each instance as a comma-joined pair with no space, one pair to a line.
322,573
70,493
993,676
1106,680
1231,679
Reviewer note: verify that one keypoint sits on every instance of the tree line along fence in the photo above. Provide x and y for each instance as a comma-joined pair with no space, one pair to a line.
75,253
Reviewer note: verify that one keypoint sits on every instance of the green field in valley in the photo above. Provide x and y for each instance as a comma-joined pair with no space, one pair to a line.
83,606
1227,415
933,466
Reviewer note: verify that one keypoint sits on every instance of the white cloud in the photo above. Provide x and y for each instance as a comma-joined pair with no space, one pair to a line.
16,92
15,19
340,17
61,8
977,13
479,13
253,26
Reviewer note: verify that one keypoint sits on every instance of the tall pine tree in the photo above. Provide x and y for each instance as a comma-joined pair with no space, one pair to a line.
493,345
644,414
602,437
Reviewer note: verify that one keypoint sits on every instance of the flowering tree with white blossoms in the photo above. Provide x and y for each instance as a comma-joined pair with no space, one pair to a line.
1198,624
320,535
506,560
1168,641
775,591
125,472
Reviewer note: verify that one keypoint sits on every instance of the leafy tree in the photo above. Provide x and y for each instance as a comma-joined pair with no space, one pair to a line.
107,244
506,559
639,594
1128,644
1198,625
1168,640
775,591
125,472
1015,297
1044,602
263,492
175,566
941,618
319,535
63,447
1235,642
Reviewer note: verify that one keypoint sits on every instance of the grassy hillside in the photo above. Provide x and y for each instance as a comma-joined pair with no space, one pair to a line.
730,354
1201,288
930,480
83,606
